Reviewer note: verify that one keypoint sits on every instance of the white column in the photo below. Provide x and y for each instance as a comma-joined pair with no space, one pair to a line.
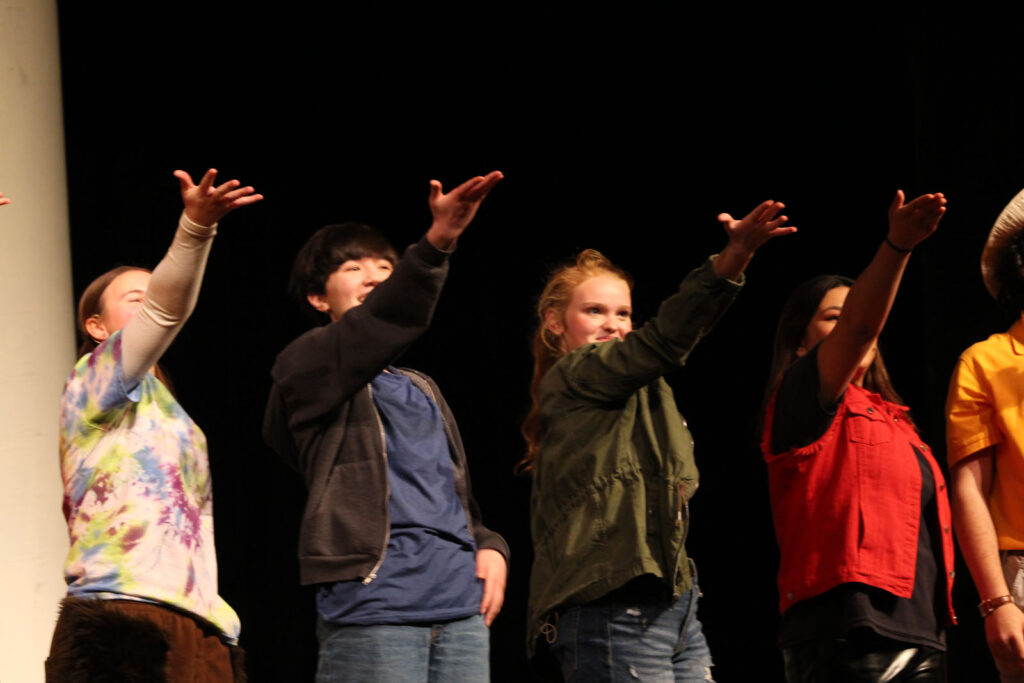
36,333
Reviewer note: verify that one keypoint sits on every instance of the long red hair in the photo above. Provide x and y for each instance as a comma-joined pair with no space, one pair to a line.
548,346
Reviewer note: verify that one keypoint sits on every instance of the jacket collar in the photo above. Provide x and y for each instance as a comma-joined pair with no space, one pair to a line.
1017,336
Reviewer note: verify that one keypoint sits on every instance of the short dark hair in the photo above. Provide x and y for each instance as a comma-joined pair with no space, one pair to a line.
328,248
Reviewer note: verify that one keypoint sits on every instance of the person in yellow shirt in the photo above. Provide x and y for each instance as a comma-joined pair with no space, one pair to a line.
985,439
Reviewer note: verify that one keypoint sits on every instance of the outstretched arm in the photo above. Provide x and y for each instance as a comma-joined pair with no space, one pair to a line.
871,296
348,353
747,235
1004,628
174,286
453,212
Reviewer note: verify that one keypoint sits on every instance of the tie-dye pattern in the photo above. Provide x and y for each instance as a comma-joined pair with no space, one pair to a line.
137,494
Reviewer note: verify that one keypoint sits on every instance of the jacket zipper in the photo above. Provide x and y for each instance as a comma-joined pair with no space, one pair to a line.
387,495
682,513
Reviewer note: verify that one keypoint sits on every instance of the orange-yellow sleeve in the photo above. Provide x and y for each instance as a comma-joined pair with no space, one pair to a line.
970,424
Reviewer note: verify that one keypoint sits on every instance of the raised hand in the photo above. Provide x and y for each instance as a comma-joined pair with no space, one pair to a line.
206,204
3,199
747,234
910,224
453,212
757,227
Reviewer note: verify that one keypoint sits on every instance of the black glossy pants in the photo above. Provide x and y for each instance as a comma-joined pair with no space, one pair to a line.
863,659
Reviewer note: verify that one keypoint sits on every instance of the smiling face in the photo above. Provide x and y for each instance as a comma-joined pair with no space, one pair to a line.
119,302
349,284
600,310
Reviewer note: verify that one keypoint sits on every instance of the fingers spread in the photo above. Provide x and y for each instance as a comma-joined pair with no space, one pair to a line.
207,182
184,179
224,188
246,201
762,211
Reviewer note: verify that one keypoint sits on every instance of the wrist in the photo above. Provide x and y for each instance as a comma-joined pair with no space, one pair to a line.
201,218
197,228
989,605
740,248
737,252
731,261
442,237
899,249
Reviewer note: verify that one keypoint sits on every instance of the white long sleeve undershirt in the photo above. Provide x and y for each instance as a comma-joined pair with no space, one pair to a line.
169,301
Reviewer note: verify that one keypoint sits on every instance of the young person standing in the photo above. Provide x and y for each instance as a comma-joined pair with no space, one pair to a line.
408,577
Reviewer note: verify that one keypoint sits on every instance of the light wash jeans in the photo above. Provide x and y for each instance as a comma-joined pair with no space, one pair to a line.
609,641
456,651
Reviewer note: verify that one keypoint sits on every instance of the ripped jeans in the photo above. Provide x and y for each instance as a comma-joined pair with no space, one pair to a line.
613,640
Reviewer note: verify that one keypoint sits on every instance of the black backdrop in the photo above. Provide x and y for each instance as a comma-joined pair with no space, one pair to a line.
627,132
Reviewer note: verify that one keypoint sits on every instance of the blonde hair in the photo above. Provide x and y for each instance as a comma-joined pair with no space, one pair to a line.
548,347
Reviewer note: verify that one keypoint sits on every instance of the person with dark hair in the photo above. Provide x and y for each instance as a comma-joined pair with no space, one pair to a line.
612,592
328,248
985,449
142,570
858,500
408,578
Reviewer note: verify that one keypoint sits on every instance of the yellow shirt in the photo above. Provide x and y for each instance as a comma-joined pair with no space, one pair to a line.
985,407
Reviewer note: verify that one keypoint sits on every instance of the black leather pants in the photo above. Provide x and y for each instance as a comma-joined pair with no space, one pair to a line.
860,659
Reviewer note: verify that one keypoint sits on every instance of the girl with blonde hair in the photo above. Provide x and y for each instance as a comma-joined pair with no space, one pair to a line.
612,591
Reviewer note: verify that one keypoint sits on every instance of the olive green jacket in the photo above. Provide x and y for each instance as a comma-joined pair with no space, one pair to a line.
615,467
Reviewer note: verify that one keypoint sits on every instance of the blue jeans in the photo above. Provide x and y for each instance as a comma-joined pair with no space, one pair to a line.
629,641
457,651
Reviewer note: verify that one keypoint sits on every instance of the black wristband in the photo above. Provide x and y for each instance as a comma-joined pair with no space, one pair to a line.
895,248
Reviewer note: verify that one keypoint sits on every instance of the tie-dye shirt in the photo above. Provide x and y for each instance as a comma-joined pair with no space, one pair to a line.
137,495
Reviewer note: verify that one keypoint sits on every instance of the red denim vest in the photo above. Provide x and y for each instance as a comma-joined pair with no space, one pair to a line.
847,507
